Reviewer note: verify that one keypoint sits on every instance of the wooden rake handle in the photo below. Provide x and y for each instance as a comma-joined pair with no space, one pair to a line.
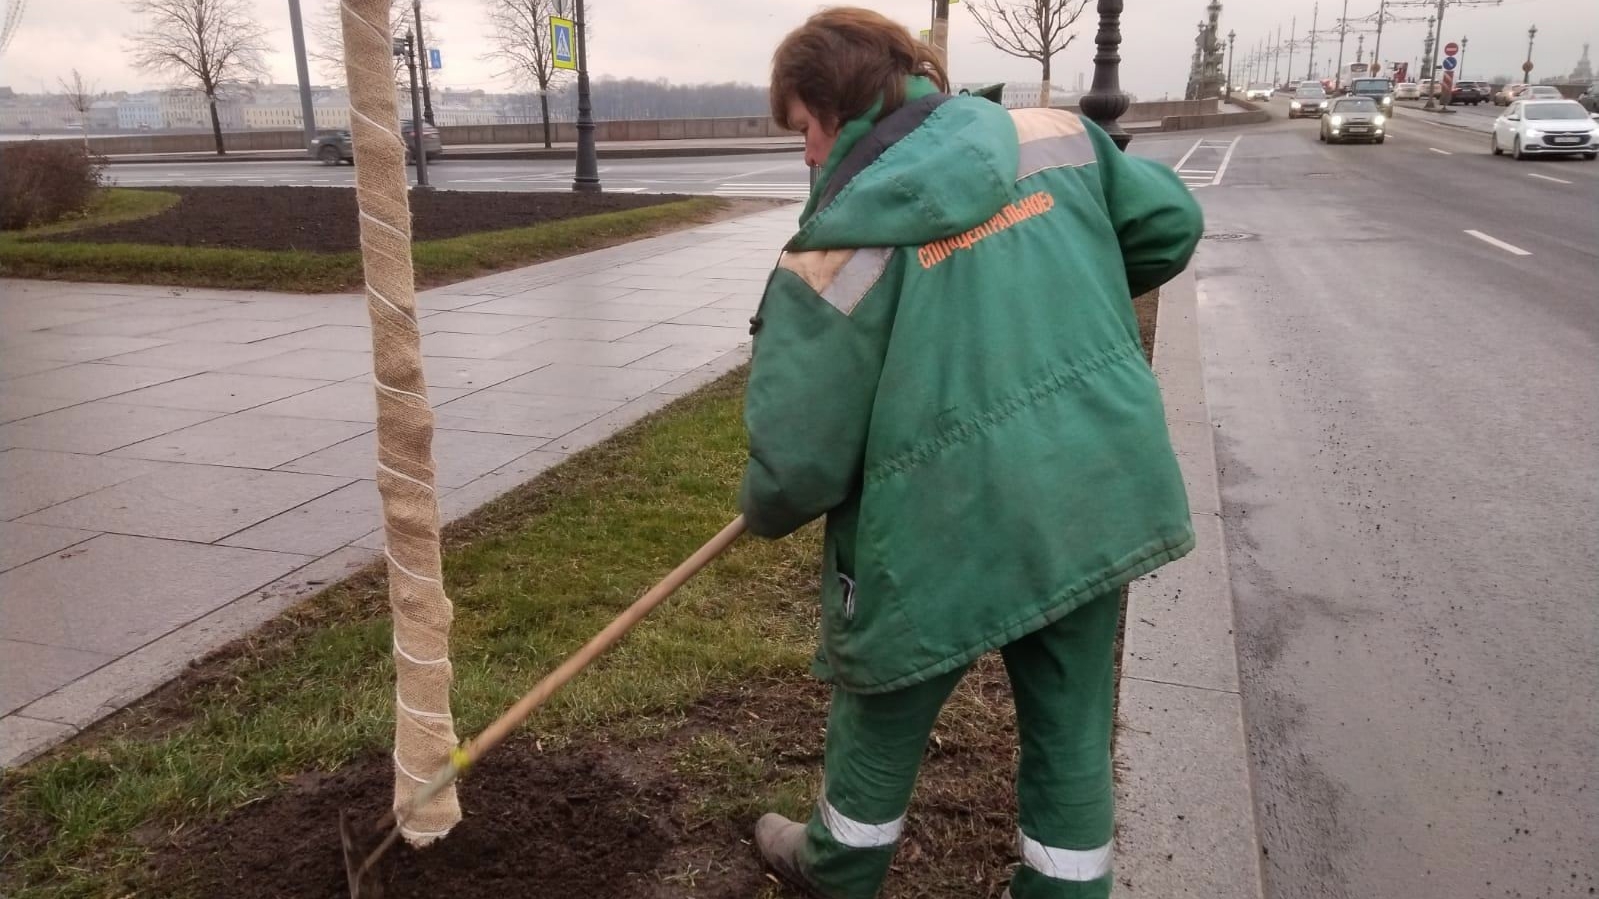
513,717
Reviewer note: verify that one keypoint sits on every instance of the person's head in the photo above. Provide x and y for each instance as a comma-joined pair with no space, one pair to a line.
831,70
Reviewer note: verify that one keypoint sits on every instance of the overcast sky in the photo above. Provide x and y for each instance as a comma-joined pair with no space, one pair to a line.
732,40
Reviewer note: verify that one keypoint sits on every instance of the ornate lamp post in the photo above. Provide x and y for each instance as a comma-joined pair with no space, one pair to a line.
1231,36
1526,67
1105,102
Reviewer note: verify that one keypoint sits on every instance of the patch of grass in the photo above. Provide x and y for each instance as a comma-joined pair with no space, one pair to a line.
533,576
299,271
113,205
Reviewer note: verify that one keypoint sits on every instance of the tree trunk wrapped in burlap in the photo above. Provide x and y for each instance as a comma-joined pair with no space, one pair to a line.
424,732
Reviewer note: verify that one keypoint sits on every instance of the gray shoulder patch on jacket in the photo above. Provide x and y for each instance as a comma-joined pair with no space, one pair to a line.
1050,139
841,277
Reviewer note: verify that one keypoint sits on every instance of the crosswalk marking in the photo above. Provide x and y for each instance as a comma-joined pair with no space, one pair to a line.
785,190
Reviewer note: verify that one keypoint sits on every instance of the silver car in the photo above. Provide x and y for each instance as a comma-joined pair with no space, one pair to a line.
334,147
1351,119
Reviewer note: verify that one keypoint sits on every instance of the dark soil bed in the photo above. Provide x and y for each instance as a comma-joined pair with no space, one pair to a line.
323,219
622,819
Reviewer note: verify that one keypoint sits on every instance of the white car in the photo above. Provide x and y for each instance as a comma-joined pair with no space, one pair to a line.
1258,91
1407,90
1542,92
1544,127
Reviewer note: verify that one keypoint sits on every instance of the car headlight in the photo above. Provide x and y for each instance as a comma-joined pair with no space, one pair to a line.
1380,119
1534,132
1294,104
1337,120
1387,101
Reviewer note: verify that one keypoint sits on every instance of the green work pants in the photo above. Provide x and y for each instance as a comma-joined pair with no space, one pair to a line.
1061,679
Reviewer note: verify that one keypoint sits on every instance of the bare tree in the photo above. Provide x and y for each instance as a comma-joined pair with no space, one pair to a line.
207,43
327,34
1028,29
80,96
521,40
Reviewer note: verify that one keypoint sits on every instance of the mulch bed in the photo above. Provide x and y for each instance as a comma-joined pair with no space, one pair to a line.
613,819
323,219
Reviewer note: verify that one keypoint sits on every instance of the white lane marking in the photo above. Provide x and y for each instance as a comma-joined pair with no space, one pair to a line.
1227,159
782,190
1441,152
1191,151
1199,171
1508,248
1548,178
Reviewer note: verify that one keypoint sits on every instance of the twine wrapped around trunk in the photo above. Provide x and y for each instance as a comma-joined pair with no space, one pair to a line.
424,731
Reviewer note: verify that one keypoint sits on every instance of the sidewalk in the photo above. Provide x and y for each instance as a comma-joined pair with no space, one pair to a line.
177,466
610,149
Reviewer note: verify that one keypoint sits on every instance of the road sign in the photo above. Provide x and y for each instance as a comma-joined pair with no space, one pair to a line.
563,42
1449,63
1526,66
1451,49
1375,67
926,35
435,59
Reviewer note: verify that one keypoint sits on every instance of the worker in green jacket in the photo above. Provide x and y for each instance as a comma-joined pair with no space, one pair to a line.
947,366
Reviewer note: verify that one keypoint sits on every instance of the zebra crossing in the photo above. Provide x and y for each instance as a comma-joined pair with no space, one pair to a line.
777,190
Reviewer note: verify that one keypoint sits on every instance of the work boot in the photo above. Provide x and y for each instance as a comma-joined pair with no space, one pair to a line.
779,840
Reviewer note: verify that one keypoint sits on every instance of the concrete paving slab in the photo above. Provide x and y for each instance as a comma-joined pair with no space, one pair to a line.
580,329
474,374
349,338
717,318
327,365
695,284
695,335
30,670
191,358
22,543
748,303
31,480
679,359
705,374
618,311
344,401
1180,619
584,352
242,330
460,456
1185,814
115,593
602,382
602,428
137,325
478,346
529,415
15,406
1196,456
23,738
475,323
246,440
320,526
690,299
17,364
467,498
84,701
202,503
96,427
220,392
75,347
531,302
85,381
14,318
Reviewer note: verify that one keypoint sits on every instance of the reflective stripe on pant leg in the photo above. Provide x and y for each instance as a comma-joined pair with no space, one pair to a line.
1064,864
857,834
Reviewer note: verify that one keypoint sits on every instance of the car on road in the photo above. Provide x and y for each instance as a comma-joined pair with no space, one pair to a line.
1380,90
1258,91
1428,88
1508,94
1407,90
1470,93
1352,119
334,147
1590,98
1544,128
1542,92
1309,101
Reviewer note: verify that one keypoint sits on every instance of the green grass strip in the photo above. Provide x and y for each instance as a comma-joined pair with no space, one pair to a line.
299,271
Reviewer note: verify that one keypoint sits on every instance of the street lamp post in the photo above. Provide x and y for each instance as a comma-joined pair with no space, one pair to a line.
1231,36
587,178
1526,67
1427,74
302,71
422,60
1460,69
1104,103
406,47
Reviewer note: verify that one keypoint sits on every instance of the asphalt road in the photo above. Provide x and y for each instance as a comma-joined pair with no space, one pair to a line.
1406,416
779,175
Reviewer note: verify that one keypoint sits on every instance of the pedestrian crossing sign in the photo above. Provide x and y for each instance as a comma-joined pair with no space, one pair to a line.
561,41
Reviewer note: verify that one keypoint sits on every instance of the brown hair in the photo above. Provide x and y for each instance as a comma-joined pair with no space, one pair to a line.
841,60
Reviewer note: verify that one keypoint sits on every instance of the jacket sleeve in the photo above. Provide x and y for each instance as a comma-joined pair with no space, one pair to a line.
819,349
1157,221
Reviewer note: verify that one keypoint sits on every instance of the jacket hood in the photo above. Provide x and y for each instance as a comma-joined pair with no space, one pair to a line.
934,168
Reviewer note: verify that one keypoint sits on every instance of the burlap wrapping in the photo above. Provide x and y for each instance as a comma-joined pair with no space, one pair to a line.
424,731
